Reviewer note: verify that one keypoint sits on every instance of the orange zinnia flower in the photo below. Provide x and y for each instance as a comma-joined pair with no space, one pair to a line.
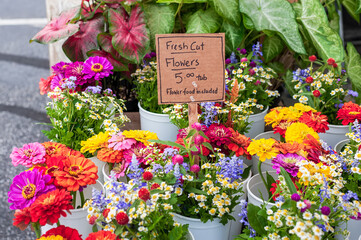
239,144
102,235
109,155
53,148
284,148
78,172
22,218
49,206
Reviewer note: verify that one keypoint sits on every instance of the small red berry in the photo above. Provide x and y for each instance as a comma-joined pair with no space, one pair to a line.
92,220
144,194
154,186
316,93
309,79
330,61
147,176
334,65
312,58
122,218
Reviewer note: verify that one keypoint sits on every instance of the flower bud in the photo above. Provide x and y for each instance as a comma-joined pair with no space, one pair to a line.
243,51
316,93
334,65
330,61
144,194
325,210
296,197
309,79
312,58
122,218
197,126
147,176
252,64
252,72
177,159
198,140
244,60
195,168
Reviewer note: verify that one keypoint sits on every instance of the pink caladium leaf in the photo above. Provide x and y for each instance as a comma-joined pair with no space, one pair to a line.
77,46
58,28
130,34
118,65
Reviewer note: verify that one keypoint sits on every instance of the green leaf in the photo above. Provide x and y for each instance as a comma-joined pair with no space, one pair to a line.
194,190
234,35
194,149
326,41
208,145
246,172
169,143
352,6
228,9
256,221
333,17
358,7
288,180
119,230
154,223
181,1
270,180
207,21
272,47
160,19
353,67
277,67
275,15
191,133
247,22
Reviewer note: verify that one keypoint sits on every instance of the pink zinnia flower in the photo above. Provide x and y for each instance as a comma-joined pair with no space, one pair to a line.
29,155
119,142
139,150
288,162
75,69
57,81
97,68
218,134
26,187
44,84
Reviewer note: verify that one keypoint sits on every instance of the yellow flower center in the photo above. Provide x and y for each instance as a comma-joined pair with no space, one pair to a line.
97,67
75,170
28,191
28,152
354,113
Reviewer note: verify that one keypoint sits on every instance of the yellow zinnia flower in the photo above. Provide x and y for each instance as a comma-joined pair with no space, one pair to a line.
140,135
303,108
297,132
263,149
94,143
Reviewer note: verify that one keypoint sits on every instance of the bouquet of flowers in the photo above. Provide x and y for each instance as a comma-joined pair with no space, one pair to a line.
322,87
117,149
79,106
137,210
48,189
248,84
309,202
205,169
280,118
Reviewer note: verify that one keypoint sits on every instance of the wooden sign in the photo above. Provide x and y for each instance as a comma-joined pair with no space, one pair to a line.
190,68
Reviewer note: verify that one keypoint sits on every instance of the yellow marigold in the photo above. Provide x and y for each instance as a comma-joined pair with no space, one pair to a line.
94,143
281,114
140,135
263,148
297,132
303,108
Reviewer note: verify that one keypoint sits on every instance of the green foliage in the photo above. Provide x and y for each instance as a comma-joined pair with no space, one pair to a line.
353,68
272,47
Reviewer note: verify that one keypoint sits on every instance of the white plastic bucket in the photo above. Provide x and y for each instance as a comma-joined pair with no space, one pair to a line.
267,164
256,189
105,172
158,123
99,164
338,147
236,226
335,134
257,123
211,230
354,227
78,217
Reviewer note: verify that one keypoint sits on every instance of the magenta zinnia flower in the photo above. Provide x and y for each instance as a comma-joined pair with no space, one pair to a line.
60,68
75,69
97,68
119,142
288,162
29,155
218,134
57,81
140,151
26,187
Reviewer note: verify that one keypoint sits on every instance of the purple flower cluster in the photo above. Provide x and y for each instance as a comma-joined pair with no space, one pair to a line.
231,168
209,112
135,172
244,218
256,49
300,74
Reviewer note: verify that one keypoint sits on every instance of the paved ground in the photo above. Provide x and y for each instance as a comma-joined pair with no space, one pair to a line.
21,106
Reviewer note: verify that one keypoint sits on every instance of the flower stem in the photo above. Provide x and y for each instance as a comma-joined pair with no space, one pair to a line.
263,180
37,230
82,199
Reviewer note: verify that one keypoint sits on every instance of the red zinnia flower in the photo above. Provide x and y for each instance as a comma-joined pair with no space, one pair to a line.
315,120
218,134
144,194
65,232
147,176
239,144
349,113
22,218
102,235
282,127
122,218
48,207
